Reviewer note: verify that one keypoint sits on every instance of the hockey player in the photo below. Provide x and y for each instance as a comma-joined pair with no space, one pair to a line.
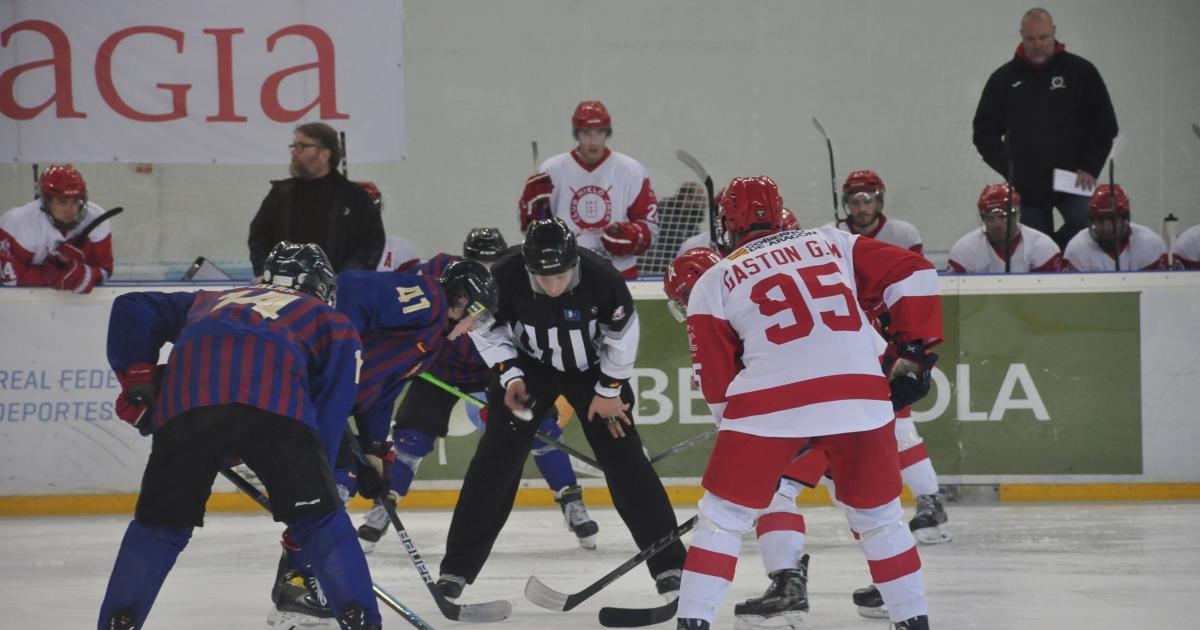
398,253
1187,248
982,251
35,247
604,196
424,414
265,374
566,325
862,197
1112,242
785,368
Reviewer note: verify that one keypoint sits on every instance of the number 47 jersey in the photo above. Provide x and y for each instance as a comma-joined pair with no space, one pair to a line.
780,341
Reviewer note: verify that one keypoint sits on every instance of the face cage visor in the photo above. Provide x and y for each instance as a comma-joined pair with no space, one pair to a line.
678,310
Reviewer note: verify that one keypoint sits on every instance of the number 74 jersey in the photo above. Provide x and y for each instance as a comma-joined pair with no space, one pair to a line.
780,340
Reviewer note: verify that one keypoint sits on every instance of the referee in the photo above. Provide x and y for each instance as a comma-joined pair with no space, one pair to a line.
565,326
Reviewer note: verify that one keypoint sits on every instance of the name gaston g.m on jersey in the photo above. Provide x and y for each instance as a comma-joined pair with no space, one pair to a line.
748,264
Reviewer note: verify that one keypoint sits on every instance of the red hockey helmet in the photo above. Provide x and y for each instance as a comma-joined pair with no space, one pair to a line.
62,180
591,115
1103,198
751,203
681,276
373,194
789,221
863,182
994,199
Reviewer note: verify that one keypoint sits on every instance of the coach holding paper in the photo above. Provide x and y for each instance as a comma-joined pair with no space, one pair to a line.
1052,109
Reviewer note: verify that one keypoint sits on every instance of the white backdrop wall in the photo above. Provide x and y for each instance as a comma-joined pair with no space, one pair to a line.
734,83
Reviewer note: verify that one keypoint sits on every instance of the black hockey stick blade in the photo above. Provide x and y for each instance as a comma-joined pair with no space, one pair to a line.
550,599
637,617
1196,129
686,444
79,239
387,598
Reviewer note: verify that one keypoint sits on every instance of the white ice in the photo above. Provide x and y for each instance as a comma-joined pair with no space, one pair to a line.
1043,566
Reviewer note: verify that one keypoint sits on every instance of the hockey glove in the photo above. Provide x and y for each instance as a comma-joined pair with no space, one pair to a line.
139,390
629,238
908,367
375,476
70,271
535,199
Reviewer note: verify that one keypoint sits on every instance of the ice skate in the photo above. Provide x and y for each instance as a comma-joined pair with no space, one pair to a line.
122,621
667,584
784,605
451,586
929,524
870,603
354,618
374,526
692,624
299,602
920,622
570,499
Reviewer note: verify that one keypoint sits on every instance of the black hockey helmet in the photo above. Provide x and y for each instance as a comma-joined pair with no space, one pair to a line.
471,280
549,247
484,244
301,266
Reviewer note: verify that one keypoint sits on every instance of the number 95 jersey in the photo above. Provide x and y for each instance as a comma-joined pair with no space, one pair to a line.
779,339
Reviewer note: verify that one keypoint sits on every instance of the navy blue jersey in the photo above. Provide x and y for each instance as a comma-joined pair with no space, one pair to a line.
458,362
269,347
402,319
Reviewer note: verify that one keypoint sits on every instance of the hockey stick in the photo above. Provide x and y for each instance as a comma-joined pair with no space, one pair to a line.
535,156
385,597
550,599
837,217
1170,235
486,612
1196,129
611,617
1112,197
686,444
79,239
541,435
694,164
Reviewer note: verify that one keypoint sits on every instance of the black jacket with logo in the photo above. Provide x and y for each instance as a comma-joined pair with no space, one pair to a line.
1058,115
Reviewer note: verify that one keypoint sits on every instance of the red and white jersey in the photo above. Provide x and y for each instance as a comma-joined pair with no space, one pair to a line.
27,236
1031,251
398,254
780,343
703,239
1143,250
891,231
1187,248
591,197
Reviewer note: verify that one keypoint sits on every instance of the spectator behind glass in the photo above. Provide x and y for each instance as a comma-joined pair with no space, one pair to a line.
318,205
35,239
1052,110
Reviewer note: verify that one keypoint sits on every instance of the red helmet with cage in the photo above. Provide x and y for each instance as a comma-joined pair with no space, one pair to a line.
373,194
750,204
681,276
994,199
591,115
62,180
863,182
1103,198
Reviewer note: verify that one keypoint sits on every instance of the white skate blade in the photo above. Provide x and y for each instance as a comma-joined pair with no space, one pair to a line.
299,621
933,535
588,542
367,546
879,612
795,619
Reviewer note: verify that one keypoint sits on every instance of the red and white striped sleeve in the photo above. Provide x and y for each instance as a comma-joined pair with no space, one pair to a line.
714,345
907,284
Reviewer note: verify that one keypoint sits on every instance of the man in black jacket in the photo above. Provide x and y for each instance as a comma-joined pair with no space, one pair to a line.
565,325
318,205
1052,110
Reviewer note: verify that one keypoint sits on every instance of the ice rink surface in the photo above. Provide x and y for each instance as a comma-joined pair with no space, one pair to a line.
1044,566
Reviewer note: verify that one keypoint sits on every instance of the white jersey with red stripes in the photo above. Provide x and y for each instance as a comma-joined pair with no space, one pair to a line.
398,253
780,344
1144,249
1031,251
1187,248
590,197
892,231
27,236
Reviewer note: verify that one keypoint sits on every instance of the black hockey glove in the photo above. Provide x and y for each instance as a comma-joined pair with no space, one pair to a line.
909,373
375,476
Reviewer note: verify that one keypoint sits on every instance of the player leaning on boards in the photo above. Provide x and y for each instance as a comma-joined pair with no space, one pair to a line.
36,248
784,368
565,325
279,404
604,196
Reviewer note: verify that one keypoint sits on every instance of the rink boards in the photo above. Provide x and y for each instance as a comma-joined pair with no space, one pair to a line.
1049,387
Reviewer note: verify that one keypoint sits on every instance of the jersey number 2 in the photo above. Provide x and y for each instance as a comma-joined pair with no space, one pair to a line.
793,300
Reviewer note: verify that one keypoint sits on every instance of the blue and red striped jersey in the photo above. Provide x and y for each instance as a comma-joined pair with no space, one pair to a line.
402,320
273,348
458,362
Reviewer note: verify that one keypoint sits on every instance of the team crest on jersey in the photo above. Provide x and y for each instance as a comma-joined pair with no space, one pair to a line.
571,315
618,314
1057,83
591,207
